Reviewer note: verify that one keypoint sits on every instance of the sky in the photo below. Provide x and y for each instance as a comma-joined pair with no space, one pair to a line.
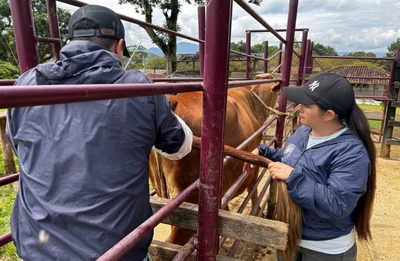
346,25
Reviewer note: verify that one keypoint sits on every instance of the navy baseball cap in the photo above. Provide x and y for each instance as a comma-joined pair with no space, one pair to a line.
108,24
329,90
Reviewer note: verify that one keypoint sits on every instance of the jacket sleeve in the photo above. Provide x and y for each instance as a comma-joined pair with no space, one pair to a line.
270,153
174,138
346,183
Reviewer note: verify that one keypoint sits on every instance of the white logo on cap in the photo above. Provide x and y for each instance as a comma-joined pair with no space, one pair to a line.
314,85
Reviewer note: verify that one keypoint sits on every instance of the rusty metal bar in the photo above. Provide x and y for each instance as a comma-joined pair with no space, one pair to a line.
265,56
276,30
24,32
53,27
137,21
354,57
213,124
259,19
47,40
46,94
249,55
201,11
9,179
5,239
302,56
7,82
248,52
291,24
132,238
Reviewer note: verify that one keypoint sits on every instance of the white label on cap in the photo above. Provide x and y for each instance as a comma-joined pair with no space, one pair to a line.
314,85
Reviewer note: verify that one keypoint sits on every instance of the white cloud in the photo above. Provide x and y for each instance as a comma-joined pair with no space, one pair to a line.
346,25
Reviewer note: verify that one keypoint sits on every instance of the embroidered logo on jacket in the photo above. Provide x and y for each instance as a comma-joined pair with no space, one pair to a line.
288,150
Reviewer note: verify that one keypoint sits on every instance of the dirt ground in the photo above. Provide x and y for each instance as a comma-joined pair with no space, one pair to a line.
385,220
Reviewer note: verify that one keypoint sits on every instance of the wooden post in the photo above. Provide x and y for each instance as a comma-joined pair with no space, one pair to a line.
5,146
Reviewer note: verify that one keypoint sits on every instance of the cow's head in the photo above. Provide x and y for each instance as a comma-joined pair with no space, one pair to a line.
268,92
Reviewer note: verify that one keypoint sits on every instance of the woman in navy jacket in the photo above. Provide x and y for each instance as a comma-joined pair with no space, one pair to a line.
329,168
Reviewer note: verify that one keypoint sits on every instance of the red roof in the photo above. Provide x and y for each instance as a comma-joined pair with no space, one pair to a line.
362,71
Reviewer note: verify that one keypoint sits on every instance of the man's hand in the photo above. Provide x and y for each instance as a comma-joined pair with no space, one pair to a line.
279,170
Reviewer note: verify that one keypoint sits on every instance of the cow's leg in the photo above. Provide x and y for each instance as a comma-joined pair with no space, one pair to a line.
253,176
179,235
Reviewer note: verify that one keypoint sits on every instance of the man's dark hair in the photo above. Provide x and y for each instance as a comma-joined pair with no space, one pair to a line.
89,24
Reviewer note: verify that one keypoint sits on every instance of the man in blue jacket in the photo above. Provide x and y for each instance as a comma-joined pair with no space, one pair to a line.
84,166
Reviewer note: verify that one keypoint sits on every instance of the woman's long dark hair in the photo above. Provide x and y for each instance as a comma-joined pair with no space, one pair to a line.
358,124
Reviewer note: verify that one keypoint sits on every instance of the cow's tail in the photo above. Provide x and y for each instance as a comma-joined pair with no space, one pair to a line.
157,176
287,211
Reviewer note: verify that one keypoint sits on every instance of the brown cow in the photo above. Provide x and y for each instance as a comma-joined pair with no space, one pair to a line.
245,114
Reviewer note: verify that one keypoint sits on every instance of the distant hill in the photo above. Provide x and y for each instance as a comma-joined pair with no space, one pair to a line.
182,48
378,54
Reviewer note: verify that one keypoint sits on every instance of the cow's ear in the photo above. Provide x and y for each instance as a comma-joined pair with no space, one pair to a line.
275,87
173,102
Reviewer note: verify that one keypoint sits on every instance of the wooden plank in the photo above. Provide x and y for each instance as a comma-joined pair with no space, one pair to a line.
392,142
8,155
252,229
163,251
394,123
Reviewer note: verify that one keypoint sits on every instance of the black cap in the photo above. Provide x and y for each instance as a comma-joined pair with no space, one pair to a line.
329,90
108,24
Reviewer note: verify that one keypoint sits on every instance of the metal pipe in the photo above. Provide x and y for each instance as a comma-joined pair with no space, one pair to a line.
47,40
291,24
354,57
53,94
259,19
265,56
137,21
132,238
7,82
9,179
302,56
306,59
276,30
54,28
201,12
248,52
213,124
5,239
24,33
280,56
249,55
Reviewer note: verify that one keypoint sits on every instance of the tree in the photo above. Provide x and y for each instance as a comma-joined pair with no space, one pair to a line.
322,50
39,11
156,63
392,48
361,54
170,10
8,71
239,46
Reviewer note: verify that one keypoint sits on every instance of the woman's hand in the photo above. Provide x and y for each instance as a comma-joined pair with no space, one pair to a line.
248,166
279,170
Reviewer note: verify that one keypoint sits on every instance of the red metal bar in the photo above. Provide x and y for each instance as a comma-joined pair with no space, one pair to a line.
259,19
280,55
276,30
7,82
311,59
48,40
354,57
275,54
213,124
291,25
250,82
24,32
187,250
54,28
177,79
201,10
249,55
136,21
5,239
265,56
53,94
302,56
248,52
132,238
9,179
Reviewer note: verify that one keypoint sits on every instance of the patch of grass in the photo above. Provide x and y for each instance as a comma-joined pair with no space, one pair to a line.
366,107
7,196
375,125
